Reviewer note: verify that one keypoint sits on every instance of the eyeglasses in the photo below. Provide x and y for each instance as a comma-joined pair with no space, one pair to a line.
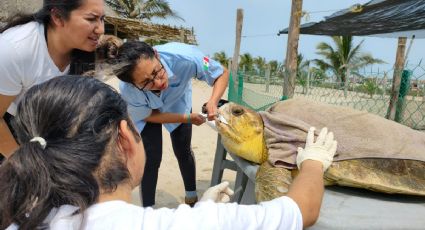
155,75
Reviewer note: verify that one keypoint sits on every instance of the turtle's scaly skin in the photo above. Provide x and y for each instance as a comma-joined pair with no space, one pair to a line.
243,136
271,182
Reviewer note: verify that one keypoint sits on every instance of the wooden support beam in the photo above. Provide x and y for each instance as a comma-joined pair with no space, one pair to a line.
292,49
398,70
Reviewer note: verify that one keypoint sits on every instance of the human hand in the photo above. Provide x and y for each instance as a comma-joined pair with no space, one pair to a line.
211,107
219,193
323,150
197,119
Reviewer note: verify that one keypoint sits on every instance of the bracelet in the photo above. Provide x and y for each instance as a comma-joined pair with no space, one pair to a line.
188,117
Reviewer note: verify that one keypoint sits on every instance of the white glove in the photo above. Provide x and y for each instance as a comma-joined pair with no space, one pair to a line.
220,193
322,150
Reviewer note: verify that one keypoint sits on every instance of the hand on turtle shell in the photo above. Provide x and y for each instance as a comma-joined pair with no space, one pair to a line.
323,150
220,193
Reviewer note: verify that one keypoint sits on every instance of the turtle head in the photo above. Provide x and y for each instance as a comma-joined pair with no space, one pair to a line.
242,132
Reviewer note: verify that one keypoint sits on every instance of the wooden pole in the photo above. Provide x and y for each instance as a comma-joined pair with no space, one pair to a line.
292,49
267,78
398,70
235,59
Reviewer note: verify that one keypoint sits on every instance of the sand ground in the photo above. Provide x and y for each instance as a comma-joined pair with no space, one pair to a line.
170,189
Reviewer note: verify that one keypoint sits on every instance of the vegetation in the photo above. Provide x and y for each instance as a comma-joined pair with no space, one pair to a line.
302,72
370,87
222,58
143,9
343,58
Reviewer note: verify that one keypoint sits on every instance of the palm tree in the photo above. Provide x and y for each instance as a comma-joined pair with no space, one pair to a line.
344,58
143,9
273,65
222,58
247,62
259,63
302,72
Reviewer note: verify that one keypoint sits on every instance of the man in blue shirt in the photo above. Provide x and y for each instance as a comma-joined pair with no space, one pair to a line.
156,83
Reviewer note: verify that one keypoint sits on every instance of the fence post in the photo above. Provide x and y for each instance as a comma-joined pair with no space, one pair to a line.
398,69
347,78
240,88
239,23
292,49
267,78
404,90
308,80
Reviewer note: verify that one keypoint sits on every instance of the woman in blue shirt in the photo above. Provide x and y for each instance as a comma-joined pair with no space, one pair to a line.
156,83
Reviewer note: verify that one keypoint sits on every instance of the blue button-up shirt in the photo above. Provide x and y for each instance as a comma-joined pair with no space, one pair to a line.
182,62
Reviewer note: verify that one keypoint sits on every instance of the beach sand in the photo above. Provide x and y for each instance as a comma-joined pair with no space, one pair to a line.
170,189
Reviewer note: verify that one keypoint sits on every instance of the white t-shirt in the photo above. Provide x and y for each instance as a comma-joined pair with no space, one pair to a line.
24,61
280,213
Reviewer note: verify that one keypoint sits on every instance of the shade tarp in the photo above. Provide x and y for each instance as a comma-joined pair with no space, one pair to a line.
380,18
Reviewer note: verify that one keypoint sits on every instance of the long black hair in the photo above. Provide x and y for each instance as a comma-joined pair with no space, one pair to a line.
82,61
78,117
128,56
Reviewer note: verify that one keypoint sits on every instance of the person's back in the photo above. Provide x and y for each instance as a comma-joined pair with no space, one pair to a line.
77,165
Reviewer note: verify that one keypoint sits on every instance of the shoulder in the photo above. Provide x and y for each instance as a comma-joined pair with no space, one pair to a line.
23,32
22,40
133,96
114,215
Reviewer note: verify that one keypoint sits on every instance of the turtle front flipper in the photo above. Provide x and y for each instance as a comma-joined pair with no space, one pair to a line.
271,182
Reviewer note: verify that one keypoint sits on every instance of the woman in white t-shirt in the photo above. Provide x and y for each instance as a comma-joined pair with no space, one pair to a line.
80,158
60,38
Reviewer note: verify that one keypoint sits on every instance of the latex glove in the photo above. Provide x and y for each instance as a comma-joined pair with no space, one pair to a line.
322,150
220,193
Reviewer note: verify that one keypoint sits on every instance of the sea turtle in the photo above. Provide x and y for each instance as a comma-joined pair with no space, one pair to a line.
399,172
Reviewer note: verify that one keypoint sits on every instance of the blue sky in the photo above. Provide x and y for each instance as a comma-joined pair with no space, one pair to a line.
214,24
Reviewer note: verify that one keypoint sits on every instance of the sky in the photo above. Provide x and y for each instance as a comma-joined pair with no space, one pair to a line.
214,23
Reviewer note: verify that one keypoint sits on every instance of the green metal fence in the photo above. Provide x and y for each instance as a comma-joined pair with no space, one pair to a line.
369,91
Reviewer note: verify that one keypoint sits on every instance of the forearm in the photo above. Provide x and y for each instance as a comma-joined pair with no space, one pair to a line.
7,142
220,86
307,190
157,117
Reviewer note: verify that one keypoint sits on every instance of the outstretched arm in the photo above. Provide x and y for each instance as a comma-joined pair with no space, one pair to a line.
158,117
220,86
307,188
307,191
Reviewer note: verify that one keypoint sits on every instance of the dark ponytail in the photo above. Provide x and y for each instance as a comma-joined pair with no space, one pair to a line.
78,117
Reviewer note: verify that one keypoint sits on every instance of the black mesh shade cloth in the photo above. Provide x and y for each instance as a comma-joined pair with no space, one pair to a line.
379,18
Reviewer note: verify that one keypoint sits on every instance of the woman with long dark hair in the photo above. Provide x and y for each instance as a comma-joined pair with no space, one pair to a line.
58,39
80,158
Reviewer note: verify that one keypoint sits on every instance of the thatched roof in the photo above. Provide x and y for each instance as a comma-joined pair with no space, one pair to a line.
134,29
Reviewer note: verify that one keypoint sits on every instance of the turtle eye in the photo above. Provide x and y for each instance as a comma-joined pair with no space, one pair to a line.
237,111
